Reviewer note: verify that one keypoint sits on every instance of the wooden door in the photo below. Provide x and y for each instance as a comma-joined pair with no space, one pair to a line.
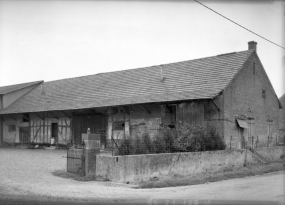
241,137
24,133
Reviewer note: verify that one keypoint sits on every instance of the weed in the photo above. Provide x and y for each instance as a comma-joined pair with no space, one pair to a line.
251,170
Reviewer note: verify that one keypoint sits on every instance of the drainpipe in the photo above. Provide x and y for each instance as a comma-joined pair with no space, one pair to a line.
1,123
1,131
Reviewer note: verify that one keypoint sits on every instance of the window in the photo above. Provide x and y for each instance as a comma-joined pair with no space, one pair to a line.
263,93
12,128
118,125
253,68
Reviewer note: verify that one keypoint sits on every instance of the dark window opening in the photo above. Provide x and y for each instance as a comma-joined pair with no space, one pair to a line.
173,115
12,128
118,125
168,117
54,131
26,118
263,93
253,68
207,111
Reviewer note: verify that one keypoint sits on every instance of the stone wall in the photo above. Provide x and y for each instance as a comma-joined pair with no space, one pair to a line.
272,153
135,168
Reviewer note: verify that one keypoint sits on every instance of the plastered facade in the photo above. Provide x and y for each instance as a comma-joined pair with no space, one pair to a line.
250,96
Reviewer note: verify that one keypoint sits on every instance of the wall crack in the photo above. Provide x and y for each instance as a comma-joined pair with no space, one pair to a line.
173,164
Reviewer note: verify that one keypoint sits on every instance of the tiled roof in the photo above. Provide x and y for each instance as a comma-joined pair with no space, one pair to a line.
194,79
11,88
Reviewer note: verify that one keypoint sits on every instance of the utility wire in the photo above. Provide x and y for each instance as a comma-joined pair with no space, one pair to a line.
238,24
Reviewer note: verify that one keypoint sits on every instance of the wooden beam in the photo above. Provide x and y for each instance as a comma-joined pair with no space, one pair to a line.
26,117
1,131
169,109
105,112
216,105
66,114
36,133
94,111
65,123
53,116
39,116
146,109
12,117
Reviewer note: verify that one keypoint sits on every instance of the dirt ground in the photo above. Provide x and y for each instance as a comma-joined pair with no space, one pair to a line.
26,174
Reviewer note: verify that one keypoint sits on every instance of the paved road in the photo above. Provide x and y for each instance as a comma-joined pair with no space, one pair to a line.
26,178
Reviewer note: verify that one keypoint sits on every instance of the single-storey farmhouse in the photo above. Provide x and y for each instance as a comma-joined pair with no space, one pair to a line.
230,92
8,95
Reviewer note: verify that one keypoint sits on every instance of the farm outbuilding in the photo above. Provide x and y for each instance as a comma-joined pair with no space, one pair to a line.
230,92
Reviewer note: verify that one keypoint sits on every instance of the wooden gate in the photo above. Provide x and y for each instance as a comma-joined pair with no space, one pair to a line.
24,133
75,161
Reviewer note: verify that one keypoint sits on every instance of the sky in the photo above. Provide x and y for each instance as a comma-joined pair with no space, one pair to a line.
51,40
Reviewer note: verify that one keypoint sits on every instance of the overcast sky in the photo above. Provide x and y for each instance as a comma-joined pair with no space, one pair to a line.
50,40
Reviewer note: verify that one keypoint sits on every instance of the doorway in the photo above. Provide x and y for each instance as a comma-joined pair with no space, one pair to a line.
54,131
80,124
24,135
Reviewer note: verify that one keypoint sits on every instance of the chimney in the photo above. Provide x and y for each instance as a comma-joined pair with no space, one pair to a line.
162,78
43,89
252,45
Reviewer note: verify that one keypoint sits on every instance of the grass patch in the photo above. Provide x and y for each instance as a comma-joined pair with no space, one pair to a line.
176,180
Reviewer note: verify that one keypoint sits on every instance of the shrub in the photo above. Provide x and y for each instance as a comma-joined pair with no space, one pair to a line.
126,147
186,138
197,138
164,142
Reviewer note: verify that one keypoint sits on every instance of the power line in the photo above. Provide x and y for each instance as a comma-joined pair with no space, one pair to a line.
238,24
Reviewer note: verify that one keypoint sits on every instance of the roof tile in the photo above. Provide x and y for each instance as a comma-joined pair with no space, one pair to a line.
194,79
11,88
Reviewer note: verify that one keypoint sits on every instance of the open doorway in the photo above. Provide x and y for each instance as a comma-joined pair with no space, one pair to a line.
24,135
54,132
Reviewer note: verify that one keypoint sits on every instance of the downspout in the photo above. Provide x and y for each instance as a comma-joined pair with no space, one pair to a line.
224,118
1,123
221,113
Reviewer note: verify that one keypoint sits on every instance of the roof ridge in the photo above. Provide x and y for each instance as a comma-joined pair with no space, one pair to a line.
147,67
192,79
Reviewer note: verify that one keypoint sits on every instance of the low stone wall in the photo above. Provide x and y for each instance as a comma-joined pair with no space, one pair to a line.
135,168
272,153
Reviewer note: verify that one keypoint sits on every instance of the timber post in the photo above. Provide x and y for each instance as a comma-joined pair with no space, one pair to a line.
1,132
91,149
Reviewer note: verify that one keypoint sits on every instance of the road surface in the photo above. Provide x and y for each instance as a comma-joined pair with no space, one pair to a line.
26,178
